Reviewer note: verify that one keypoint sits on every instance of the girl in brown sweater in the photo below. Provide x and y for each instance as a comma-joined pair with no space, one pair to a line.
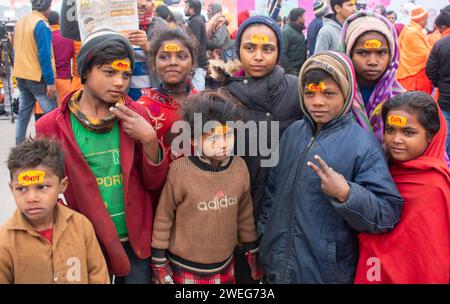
205,206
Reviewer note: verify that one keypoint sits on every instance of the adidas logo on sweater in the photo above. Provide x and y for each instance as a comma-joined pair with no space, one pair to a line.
220,201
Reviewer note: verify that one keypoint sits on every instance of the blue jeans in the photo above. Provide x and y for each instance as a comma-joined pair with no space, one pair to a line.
447,118
141,272
30,91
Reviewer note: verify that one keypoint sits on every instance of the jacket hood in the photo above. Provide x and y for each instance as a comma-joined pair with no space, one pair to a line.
340,67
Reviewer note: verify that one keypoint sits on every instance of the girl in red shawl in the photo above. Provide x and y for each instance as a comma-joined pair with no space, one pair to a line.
418,249
173,57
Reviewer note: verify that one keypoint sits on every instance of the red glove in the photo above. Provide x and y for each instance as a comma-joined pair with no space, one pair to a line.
253,262
162,273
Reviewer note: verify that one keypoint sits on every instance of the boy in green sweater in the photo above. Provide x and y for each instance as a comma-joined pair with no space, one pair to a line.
199,219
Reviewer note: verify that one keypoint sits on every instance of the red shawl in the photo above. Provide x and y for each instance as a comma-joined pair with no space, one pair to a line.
417,251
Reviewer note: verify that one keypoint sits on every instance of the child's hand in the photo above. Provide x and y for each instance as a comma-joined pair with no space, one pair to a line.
140,39
162,274
253,261
135,125
333,183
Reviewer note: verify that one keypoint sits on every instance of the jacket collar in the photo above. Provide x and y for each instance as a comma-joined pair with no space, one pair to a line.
329,127
248,89
62,215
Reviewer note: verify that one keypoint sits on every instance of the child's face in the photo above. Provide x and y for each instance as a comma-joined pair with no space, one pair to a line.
371,57
323,101
258,51
108,82
173,62
35,191
404,137
218,144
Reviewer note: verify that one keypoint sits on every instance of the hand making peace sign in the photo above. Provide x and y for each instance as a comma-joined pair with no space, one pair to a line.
333,183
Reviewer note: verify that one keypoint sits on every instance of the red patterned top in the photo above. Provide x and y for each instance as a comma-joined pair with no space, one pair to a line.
163,112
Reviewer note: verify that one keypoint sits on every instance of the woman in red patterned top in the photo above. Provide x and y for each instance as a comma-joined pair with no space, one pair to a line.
173,56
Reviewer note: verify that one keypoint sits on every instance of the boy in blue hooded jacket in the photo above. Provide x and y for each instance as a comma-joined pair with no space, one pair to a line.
332,182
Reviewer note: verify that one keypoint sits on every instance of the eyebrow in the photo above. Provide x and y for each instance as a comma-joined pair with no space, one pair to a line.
251,43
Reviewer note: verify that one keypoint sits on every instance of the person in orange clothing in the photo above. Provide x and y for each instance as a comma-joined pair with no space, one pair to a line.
414,51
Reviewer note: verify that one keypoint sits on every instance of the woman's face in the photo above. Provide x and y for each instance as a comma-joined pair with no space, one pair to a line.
371,57
404,137
173,62
258,50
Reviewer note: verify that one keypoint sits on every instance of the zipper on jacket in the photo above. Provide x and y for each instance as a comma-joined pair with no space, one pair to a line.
291,205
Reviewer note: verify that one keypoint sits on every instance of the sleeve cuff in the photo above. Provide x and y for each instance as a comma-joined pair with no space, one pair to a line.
250,246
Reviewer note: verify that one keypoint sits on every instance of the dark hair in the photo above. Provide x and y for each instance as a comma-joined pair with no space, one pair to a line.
195,5
392,13
213,106
177,34
417,103
112,51
295,13
382,9
316,76
53,18
163,11
333,3
34,152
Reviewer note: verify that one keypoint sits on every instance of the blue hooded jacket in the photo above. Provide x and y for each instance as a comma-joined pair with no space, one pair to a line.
307,236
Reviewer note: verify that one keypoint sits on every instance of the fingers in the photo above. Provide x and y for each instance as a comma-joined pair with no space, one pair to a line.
122,112
325,168
316,169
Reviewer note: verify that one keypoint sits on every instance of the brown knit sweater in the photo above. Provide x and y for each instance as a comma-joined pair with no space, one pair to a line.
202,213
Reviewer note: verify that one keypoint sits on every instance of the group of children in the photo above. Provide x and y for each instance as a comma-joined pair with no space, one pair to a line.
335,209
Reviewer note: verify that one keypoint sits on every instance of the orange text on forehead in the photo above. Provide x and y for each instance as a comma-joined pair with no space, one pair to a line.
221,130
319,87
31,177
121,65
172,47
259,39
398,121
372,44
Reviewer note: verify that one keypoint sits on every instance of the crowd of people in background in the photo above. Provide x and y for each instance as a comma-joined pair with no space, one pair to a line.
355,106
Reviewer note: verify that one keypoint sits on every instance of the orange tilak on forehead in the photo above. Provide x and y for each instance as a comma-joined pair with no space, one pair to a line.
396,120
121,65
372,44
221,130
172,47
31,177
259,39
313,87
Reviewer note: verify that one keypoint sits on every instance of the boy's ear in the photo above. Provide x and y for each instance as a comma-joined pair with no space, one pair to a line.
63,185
10,186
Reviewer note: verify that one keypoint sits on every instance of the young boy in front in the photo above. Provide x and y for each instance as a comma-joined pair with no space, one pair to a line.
332,182
206,203
45,242
113,156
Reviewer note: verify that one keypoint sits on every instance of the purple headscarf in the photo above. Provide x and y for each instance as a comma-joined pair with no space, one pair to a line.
368,116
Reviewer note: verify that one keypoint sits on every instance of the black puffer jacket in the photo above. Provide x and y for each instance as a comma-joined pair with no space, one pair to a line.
438,70
268,99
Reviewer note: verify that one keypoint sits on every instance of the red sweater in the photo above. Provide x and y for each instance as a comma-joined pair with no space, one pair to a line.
83,194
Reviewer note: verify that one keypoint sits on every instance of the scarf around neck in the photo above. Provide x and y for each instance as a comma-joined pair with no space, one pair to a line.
93,124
